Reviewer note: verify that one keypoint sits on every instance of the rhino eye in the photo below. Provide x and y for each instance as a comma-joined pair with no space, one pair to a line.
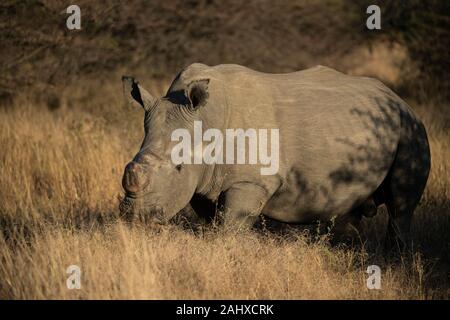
178,167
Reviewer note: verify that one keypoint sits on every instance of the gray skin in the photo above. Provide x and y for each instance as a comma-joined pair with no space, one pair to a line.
347,145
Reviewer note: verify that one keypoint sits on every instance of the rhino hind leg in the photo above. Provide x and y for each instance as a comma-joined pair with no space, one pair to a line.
404,185
369,208
346,228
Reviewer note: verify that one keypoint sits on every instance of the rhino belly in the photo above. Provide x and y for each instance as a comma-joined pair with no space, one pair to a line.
333,175
301,200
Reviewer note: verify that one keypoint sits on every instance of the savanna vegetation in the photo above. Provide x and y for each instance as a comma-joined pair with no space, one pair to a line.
66,135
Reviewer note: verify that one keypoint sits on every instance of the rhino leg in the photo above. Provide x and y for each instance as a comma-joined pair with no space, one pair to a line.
404,185
241,205
368,208
346,228
188,218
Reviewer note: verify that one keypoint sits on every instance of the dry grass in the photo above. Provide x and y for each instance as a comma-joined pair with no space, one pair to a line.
60,177
122,262
65,139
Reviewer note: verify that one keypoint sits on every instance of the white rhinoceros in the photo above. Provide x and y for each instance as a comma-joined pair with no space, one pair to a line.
346,144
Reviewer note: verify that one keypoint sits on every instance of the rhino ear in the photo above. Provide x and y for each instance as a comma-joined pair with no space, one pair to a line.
197,93
134,92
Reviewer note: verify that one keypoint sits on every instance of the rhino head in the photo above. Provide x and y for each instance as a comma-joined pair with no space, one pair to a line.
154,186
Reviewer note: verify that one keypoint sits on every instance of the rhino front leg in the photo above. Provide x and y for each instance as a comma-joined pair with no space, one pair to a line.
187,217
242,204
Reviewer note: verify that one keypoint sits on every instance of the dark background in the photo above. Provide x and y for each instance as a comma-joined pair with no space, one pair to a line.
155,39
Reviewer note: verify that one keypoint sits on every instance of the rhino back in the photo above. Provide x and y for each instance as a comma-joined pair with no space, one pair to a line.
338,133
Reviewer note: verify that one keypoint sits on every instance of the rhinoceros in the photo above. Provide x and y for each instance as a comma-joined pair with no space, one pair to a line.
347,145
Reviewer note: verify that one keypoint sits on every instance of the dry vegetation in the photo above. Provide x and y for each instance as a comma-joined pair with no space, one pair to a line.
60,180
64,150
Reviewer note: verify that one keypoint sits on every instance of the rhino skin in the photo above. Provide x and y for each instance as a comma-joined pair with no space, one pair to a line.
347,145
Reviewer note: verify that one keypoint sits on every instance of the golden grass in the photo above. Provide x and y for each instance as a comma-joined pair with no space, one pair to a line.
123,262
60,178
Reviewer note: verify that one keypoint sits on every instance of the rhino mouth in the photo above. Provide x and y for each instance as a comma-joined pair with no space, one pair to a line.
132,208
